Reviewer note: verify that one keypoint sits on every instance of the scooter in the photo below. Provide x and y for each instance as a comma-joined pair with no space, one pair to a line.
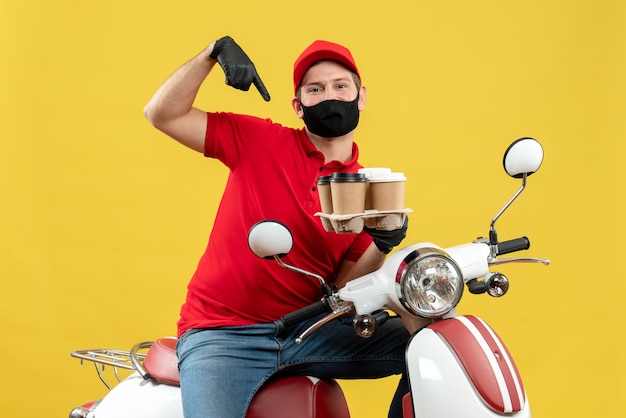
456,365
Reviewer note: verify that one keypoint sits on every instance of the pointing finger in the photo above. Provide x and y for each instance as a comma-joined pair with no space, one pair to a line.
261,87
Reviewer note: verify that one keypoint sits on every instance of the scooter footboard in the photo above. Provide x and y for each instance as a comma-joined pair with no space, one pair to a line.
460,367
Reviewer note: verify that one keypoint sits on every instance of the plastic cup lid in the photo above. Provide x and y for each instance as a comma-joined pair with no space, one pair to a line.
348,177
370,171
386,176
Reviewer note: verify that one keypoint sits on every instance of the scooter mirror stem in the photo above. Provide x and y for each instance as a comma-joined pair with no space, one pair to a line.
493,235
325,287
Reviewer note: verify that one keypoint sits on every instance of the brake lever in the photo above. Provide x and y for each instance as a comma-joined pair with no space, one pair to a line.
343,309
498,261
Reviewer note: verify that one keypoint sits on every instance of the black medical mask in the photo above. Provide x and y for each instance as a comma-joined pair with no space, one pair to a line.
331,118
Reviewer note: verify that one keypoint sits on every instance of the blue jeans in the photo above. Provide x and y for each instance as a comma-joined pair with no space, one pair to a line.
222,368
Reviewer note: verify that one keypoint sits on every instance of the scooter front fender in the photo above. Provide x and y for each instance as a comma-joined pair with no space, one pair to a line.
135,397
459,367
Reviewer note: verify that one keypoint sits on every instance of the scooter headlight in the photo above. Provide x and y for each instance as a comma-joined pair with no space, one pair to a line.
430,282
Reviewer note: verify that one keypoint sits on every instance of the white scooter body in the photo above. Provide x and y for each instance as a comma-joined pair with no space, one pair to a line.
378,290
456,366
137,397
480,381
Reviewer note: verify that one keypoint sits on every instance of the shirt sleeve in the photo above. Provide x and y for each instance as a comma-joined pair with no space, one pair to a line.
229,134
358,247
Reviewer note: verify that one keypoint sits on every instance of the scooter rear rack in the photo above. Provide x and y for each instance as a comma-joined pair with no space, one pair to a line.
101,357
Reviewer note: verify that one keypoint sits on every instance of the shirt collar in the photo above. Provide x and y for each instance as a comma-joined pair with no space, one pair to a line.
311,151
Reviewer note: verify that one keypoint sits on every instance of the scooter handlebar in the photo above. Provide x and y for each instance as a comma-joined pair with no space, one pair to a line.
302,314
513,245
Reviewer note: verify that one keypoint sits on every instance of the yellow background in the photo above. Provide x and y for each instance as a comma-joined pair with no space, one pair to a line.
102,218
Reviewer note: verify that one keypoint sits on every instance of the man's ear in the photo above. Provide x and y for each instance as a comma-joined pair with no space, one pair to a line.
362,98
297,107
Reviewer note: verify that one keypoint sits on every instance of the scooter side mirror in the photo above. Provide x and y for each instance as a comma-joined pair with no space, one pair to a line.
523,156
268,239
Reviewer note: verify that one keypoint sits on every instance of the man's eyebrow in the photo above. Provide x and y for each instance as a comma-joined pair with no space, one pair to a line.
334,80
